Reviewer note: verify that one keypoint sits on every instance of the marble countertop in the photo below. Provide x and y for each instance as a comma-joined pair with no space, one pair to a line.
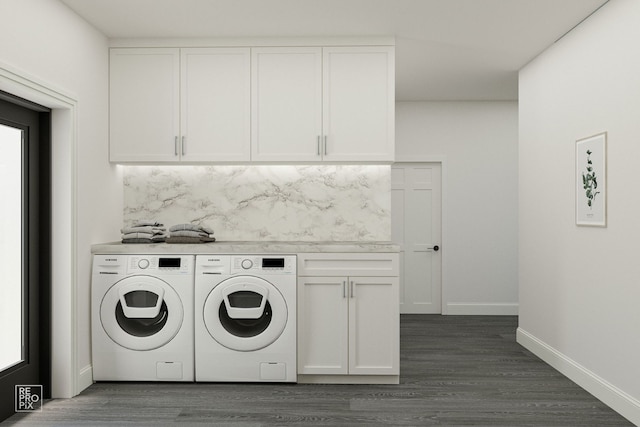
248,247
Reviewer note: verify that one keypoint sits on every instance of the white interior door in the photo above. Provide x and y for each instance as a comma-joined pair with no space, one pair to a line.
416,217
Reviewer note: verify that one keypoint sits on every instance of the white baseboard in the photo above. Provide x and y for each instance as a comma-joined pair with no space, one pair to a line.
497,309
618,400
85,378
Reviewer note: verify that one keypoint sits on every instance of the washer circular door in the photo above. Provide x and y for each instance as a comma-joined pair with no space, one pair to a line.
141,312
245,313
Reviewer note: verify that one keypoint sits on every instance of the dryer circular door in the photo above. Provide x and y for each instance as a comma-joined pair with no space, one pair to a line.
245,313
141,312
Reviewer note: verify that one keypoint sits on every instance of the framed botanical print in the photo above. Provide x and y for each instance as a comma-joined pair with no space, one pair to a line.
591,180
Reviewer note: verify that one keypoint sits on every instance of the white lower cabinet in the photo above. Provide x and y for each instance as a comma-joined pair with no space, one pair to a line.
348,326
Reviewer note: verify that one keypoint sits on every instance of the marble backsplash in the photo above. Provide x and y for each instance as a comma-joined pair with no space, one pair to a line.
266,202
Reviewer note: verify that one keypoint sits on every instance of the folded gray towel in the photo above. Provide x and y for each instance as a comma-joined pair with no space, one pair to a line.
135,240
144,229
190,227
147,222
188,233
185,239
143,238
137,236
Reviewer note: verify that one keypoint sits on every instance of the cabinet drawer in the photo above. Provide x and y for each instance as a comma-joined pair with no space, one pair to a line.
348,264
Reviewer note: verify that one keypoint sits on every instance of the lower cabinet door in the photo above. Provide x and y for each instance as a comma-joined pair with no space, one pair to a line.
323,338
348,326
374,326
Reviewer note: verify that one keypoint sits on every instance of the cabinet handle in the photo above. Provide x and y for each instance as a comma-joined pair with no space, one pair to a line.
352,290
344,289
318,144
175,143
184,146
325,145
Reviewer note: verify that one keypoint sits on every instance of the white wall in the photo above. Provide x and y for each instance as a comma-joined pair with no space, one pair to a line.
478,143
45,41
579,287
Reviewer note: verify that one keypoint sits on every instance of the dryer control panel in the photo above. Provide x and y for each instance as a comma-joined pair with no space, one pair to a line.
246,264
263,264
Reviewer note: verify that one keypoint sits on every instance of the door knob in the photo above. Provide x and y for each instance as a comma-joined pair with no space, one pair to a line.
436,248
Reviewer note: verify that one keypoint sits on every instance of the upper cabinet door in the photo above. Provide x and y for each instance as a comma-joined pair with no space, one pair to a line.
144,105
215,100
359,103
286,104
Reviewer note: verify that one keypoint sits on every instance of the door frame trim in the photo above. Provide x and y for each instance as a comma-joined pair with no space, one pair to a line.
64,349
444,294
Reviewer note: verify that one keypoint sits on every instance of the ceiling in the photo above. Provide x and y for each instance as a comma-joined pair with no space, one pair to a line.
446,50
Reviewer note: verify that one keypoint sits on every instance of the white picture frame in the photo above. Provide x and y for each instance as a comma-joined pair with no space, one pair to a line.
591,181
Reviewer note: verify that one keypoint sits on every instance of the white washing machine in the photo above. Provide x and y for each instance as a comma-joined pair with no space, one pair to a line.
142,317
245,324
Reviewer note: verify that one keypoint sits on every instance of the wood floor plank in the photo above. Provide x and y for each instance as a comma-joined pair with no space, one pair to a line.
455,371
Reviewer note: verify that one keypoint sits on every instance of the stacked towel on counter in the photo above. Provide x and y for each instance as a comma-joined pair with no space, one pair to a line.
190,233
144,231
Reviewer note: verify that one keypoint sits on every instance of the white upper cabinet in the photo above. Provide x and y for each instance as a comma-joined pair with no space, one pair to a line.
263,104
170,105
323,104
359,103
144,104
286,104
215,104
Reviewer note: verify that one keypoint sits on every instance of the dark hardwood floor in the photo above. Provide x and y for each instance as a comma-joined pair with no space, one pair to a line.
455,371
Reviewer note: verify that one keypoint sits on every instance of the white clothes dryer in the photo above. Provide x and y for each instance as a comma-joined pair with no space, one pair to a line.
142,317
245,325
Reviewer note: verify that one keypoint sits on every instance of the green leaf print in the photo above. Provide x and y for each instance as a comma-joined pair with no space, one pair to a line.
590,182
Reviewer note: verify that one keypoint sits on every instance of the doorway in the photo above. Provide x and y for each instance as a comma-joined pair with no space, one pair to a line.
416,225
25,176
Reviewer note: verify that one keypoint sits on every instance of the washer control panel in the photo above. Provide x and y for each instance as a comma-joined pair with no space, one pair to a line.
160,264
